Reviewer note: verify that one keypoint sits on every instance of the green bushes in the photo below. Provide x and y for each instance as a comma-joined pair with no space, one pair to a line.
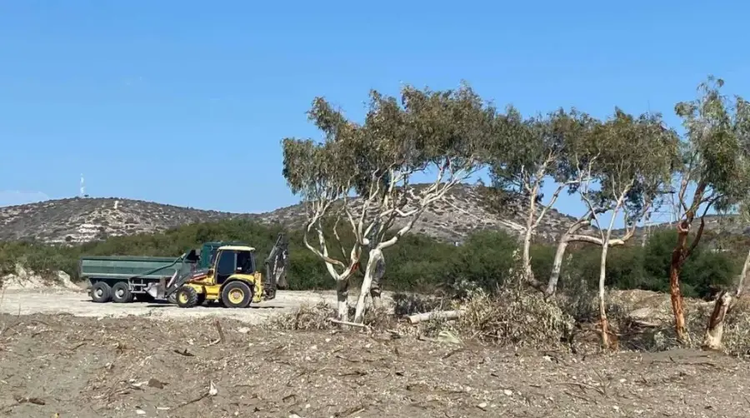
416,263
647,267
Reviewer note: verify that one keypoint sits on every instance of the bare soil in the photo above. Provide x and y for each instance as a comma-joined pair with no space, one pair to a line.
165,367
79,303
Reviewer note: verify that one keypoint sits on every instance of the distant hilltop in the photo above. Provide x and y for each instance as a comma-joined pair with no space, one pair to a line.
78,220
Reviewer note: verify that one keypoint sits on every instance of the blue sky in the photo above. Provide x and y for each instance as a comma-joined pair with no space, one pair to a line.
186,102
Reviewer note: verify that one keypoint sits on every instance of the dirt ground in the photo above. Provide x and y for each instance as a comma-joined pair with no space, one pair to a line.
165,367
53,301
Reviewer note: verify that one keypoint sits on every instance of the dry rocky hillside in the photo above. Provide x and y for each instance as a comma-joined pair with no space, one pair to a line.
75,220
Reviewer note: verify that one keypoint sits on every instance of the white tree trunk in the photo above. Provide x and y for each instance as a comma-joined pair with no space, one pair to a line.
526,254
606,242
373,272
562,246
602,306
554,277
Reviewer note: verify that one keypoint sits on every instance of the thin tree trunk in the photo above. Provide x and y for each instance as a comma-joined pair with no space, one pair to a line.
603,272
712,340
554,277
602,306
675,294
562,246
679,255
374,270
526,255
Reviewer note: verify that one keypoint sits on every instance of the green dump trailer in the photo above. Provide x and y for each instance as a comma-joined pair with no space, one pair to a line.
123,279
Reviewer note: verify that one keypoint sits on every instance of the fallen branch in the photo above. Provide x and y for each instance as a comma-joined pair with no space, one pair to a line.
353,324
429,316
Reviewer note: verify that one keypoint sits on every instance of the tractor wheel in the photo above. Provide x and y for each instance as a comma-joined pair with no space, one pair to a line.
236,295
187,297
101,292
121,293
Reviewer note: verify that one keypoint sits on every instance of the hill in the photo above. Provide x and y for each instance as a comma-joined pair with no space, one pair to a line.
466,208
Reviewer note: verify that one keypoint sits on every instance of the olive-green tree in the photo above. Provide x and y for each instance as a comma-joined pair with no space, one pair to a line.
714,173
528,151
443,133
633,161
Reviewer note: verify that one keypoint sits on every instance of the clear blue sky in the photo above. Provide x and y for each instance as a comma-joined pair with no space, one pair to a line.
186,102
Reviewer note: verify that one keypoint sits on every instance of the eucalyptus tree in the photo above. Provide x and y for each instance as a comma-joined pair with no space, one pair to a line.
528,151
632,162
714,173
442,133
597,153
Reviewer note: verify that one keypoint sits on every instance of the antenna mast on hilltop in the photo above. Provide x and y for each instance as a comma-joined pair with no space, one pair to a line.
83,187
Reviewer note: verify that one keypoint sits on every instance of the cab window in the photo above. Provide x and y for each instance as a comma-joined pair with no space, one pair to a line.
225,268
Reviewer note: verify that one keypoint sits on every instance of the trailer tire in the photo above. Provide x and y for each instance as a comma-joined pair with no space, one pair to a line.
186,297
121,293
101,292
236,295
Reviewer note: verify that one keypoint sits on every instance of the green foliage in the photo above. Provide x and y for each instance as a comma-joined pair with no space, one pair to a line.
418,263
445,131
647,268
484,261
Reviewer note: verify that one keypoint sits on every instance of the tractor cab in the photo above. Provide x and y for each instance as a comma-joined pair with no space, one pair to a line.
208,252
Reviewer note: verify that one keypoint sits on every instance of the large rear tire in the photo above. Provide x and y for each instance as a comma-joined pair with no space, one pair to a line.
121,293
187,297
236,295
101,292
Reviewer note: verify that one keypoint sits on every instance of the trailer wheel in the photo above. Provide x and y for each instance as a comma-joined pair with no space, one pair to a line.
101,292
187,297
236,295
121,293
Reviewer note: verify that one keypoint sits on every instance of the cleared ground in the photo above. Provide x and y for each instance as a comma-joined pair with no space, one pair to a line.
49,301
62,354
115,367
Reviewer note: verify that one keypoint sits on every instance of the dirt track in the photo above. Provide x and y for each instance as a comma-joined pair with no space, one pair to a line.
27,302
